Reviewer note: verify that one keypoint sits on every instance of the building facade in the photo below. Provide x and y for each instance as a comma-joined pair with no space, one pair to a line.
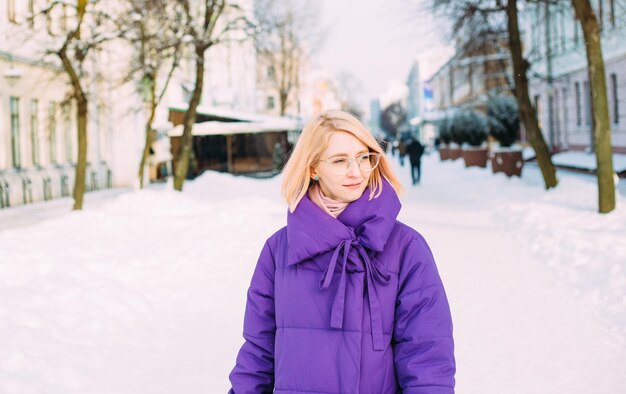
38,133
415,98
466,81
559,83
38,147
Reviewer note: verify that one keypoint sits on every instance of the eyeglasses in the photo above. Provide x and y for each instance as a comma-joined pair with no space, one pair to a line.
341,165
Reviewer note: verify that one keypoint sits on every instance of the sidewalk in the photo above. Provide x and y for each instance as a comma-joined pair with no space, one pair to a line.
517,330
29,214
146,293
586,162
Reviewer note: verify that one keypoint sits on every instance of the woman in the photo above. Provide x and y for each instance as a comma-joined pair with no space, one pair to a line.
344,299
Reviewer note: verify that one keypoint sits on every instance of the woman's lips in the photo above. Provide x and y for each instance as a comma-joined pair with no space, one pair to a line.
353,185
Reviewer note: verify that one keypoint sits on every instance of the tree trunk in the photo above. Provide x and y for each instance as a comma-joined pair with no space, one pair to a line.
146,152
527,112
81,163
184,153
81,122
149,133
600,106
283,102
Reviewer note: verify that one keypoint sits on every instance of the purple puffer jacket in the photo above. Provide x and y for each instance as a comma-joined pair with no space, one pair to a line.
347,305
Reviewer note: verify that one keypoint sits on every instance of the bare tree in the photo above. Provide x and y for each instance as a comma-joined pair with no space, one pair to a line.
600,107
85,27
528,113
153,30
283,38
472,17
392,118
206,23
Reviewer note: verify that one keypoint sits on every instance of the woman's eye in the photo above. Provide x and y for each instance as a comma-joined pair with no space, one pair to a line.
339,161
363,158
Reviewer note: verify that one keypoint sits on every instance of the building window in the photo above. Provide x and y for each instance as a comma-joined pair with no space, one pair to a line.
539,111
576,29
271,73
11,11
52,131
14,103
534,32
615,98
48,14
64,17
563,32
557,119
587,104
31,13
34,130
612,13
579,120
271,102
564,105
67,126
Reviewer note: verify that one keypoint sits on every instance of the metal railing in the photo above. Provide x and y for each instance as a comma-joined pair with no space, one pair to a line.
94,180
65,189
27,189
5,200
109,178
47,188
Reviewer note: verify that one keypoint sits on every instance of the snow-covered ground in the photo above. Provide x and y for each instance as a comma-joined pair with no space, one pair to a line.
145,294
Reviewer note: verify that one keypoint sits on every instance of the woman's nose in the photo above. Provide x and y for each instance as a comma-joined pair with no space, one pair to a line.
353,169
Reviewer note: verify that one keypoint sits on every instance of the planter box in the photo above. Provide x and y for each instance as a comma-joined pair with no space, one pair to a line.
455,153
475,157
444,153
509,162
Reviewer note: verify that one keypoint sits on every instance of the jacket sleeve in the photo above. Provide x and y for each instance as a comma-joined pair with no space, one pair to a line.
254,369
422,338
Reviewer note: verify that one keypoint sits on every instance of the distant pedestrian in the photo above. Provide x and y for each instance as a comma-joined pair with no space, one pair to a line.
415,150
402,151
278,157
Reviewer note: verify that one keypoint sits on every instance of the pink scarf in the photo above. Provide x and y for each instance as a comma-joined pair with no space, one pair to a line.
330,206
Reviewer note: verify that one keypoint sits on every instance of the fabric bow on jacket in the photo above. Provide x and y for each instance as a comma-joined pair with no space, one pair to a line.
360,230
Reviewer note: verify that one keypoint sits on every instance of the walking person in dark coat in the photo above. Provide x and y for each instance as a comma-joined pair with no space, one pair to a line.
415,150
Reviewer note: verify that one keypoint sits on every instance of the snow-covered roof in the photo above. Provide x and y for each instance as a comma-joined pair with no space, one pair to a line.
242,122
230,128
224,113
233,114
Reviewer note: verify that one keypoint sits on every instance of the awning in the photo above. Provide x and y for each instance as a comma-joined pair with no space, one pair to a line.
222,113
231,128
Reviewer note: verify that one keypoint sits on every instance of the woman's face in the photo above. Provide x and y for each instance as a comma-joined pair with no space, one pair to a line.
350,186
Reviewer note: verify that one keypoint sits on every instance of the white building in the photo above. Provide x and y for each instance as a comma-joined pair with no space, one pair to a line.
559,79
38,147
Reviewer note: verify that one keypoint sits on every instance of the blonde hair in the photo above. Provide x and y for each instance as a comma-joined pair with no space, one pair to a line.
314,140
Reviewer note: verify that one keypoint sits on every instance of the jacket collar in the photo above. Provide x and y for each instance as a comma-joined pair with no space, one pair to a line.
311,231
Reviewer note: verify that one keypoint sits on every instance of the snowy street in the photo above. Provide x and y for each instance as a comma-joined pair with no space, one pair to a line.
145,293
